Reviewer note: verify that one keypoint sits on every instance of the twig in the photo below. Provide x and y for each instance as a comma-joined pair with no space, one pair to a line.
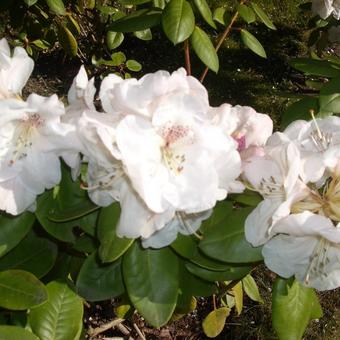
222,38
112,324
187,57
141,335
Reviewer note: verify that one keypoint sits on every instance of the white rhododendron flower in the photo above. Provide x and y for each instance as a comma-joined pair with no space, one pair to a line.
275,175
318,142
324,8
31,139
307,246
14,70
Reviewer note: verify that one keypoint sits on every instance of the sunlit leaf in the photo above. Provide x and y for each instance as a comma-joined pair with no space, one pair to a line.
214,322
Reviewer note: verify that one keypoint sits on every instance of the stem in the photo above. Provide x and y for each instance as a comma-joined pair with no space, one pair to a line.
187,57
214,301
222,38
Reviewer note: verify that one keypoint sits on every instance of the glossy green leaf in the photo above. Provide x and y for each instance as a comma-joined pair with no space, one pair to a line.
263,16
204,49
329,98
67,41
144,35
133,2
114,39
205,11
293,306
111,246
178,20
233,273
251,289
218,15
137,21
97,282
85,244
16,333
56,6
321,68
33,254
151,278
300,110
226,240
13,229
118,58
252,43
133,65
20,290
61,317
30,2
246,13
248,197
214,322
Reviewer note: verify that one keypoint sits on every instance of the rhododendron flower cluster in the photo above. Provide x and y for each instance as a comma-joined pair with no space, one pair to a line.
298,221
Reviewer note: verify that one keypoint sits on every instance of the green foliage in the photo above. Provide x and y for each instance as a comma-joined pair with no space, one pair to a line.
214,322
252,43
16,333
293,307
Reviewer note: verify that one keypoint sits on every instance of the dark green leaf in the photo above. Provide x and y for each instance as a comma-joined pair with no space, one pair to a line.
111,246
300,110
137,21
61,317
178,20
263,16
151,278
248,197
205,11
233,273
33,254
16,333
246,13
21,290
226,240
321,68
67,41
294,305
98,282
114,39
13,229
56,6
85,244
329,98
204,49
252,43
73,25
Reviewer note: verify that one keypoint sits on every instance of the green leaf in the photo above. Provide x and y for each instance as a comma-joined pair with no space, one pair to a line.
226,240
263,16
151,278
61,317
251,289
214,322
204,49
246,13
178,20
133,65
144,35
248,197
56,6
137,21
329,98
73,25
30,2
16,333
218,15
114,39
13,229
97,282
293,306
20,290
85,244
33,254
118,58
67,41
133,2
233,273
321,68
300,110
252,43
111,246
205,11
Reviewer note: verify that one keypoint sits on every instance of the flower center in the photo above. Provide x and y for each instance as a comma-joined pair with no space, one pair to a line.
25,133
322,140
270,188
